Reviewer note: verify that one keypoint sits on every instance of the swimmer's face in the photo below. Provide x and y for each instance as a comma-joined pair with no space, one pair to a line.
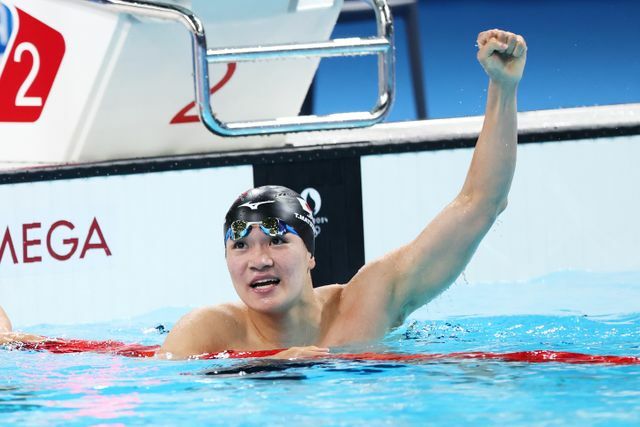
269,273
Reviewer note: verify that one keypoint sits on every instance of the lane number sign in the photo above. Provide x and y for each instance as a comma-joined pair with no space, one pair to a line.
30,55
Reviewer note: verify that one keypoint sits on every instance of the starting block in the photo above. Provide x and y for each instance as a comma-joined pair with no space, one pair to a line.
95,80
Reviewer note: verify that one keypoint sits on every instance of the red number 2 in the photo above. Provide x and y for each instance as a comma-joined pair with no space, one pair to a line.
183,117
30,70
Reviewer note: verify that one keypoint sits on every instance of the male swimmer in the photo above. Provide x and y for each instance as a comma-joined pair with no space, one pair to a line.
269,243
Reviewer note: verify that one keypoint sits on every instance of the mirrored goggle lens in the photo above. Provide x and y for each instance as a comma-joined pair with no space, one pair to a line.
273,227
238,230
269,226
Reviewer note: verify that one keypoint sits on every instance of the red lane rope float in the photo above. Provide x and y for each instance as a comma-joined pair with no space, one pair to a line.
139,350
534,356
88,346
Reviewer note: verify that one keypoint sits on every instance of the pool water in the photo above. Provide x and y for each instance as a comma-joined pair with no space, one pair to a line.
39,388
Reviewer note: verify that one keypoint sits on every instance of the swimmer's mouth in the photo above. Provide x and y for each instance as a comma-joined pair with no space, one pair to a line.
265,282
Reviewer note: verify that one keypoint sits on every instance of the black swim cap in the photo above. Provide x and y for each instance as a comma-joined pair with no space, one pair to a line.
274,201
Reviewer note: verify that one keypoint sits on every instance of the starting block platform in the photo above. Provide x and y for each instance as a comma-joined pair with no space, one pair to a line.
96,80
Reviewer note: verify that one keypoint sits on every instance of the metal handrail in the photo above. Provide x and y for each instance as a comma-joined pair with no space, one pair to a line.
382,45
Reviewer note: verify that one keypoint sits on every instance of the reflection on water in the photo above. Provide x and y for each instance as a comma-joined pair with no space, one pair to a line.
71,388
262,369
13,399
295,369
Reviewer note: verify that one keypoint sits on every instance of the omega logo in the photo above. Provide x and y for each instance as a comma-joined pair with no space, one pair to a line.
54,242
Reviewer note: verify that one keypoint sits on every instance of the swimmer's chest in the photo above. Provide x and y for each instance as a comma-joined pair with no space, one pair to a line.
354,326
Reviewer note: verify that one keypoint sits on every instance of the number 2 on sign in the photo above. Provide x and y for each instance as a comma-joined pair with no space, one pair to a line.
183,117
21,99
32,60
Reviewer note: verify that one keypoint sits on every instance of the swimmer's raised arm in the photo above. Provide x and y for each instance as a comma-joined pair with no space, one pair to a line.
412,275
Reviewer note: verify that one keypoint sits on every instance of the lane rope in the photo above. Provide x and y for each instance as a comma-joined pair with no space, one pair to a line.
138,350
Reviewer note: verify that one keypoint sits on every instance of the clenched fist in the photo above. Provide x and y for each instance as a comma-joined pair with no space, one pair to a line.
502,55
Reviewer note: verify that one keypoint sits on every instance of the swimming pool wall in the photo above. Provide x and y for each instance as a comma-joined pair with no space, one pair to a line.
101,241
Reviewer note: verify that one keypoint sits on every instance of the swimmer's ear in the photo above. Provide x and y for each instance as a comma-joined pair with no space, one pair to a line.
312,262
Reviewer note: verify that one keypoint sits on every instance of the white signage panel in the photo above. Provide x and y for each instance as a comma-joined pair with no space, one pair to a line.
574,205
95,249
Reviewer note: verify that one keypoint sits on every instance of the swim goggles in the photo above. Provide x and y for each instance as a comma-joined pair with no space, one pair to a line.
270,226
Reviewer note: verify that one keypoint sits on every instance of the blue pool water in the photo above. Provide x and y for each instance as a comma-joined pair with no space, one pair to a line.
38,388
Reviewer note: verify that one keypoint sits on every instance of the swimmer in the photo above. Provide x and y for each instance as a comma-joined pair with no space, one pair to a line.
269,250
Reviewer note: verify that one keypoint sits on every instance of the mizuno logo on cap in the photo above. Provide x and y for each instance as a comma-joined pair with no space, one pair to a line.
254,206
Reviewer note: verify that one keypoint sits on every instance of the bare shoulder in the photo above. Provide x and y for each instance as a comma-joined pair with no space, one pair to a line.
329,293
361,308
204,330
347,298
215,314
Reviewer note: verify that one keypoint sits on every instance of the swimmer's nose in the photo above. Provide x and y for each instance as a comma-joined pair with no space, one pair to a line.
260,258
